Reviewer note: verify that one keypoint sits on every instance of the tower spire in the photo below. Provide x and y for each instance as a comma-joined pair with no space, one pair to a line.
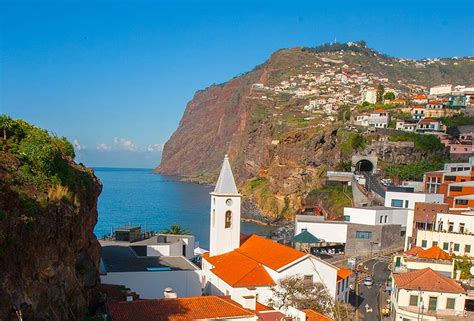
225,183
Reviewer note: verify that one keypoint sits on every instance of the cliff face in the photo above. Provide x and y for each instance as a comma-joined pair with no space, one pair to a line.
49,256
280,123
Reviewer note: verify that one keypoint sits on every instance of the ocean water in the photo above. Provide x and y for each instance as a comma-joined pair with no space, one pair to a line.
139,197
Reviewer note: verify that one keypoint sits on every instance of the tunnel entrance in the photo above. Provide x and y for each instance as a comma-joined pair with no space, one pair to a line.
364,165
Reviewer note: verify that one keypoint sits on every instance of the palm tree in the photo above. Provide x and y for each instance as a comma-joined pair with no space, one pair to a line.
177,230
6,123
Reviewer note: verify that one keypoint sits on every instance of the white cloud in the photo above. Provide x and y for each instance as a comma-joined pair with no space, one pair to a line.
154,148
76,145
103,147
125,144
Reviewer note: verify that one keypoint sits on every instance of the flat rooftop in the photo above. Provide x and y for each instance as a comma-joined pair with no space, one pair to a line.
119,258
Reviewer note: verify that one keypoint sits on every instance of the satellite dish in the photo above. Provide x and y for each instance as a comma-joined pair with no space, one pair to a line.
472,270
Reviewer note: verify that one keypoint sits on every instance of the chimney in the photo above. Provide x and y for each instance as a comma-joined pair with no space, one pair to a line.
249,302
169,294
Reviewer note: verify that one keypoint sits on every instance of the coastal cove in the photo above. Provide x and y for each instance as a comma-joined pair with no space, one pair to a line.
140,197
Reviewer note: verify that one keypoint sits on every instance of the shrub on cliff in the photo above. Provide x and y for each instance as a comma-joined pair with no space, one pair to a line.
424,143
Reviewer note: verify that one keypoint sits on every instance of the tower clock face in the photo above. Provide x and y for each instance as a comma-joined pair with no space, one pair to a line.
228,202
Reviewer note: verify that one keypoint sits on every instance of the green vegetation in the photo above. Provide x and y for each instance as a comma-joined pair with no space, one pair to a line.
331,197
350,142
344,113
45,159
412,171
389,95
379,94
344,166
464,264
258,187
424,143
457,120
176,229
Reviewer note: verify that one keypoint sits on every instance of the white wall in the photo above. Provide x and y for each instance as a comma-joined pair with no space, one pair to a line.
151,284
404,299
450,238
468,221
371,216
223,240
328,231
412,198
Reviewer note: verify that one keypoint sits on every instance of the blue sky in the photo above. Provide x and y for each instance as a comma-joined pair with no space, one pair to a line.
115,76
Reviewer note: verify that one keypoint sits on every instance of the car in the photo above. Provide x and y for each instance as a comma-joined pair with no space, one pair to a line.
368,281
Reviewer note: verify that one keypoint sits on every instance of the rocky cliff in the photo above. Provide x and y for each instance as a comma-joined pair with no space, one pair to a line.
282,125
49,256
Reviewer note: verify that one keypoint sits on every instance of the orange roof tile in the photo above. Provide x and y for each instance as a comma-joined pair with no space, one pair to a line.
260,307
180,309
238,270
245,266
427,280
312,315
419,107
414,250
342,274
420,97
269,253
436,253
378,111
427,121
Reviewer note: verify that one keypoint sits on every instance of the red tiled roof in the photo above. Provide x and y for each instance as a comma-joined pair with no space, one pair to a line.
269,253
271,316
312,315
378,111
180,309
427,280
343,274
427,121
414,250
419,107
436,253
245,266
238,270
260,307
419,97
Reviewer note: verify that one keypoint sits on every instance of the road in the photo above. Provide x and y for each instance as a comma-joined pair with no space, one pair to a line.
369,295
373,184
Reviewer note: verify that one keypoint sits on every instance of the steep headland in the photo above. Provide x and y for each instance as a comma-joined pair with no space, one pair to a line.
275,124
49,256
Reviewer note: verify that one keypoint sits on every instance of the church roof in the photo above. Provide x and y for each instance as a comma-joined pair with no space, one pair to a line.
245,266
226,183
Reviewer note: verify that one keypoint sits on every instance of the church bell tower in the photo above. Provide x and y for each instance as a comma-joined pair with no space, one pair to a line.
225,213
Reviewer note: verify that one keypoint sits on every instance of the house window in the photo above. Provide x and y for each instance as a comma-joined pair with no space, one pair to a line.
385,220
435,243
363,235
456,247
381,218
450,303
432,303
445,246
450,226
406,203
467,248
413,300
397,203
450,178
455,188
461,227
424,243
228,219
440,225
347,218
461,202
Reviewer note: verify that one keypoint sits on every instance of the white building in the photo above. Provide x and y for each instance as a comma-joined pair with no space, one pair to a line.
453,233
252,266
146,272
429,125
419,258
379,118
441,90
405,126
376,215
407,200
370,95
427,293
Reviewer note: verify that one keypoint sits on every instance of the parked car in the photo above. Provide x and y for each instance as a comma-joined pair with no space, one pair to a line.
368,281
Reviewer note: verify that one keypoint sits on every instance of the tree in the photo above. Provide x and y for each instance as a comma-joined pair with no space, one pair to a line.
389,95
358,141
344,113
177,229
294,291
6,124
380,91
